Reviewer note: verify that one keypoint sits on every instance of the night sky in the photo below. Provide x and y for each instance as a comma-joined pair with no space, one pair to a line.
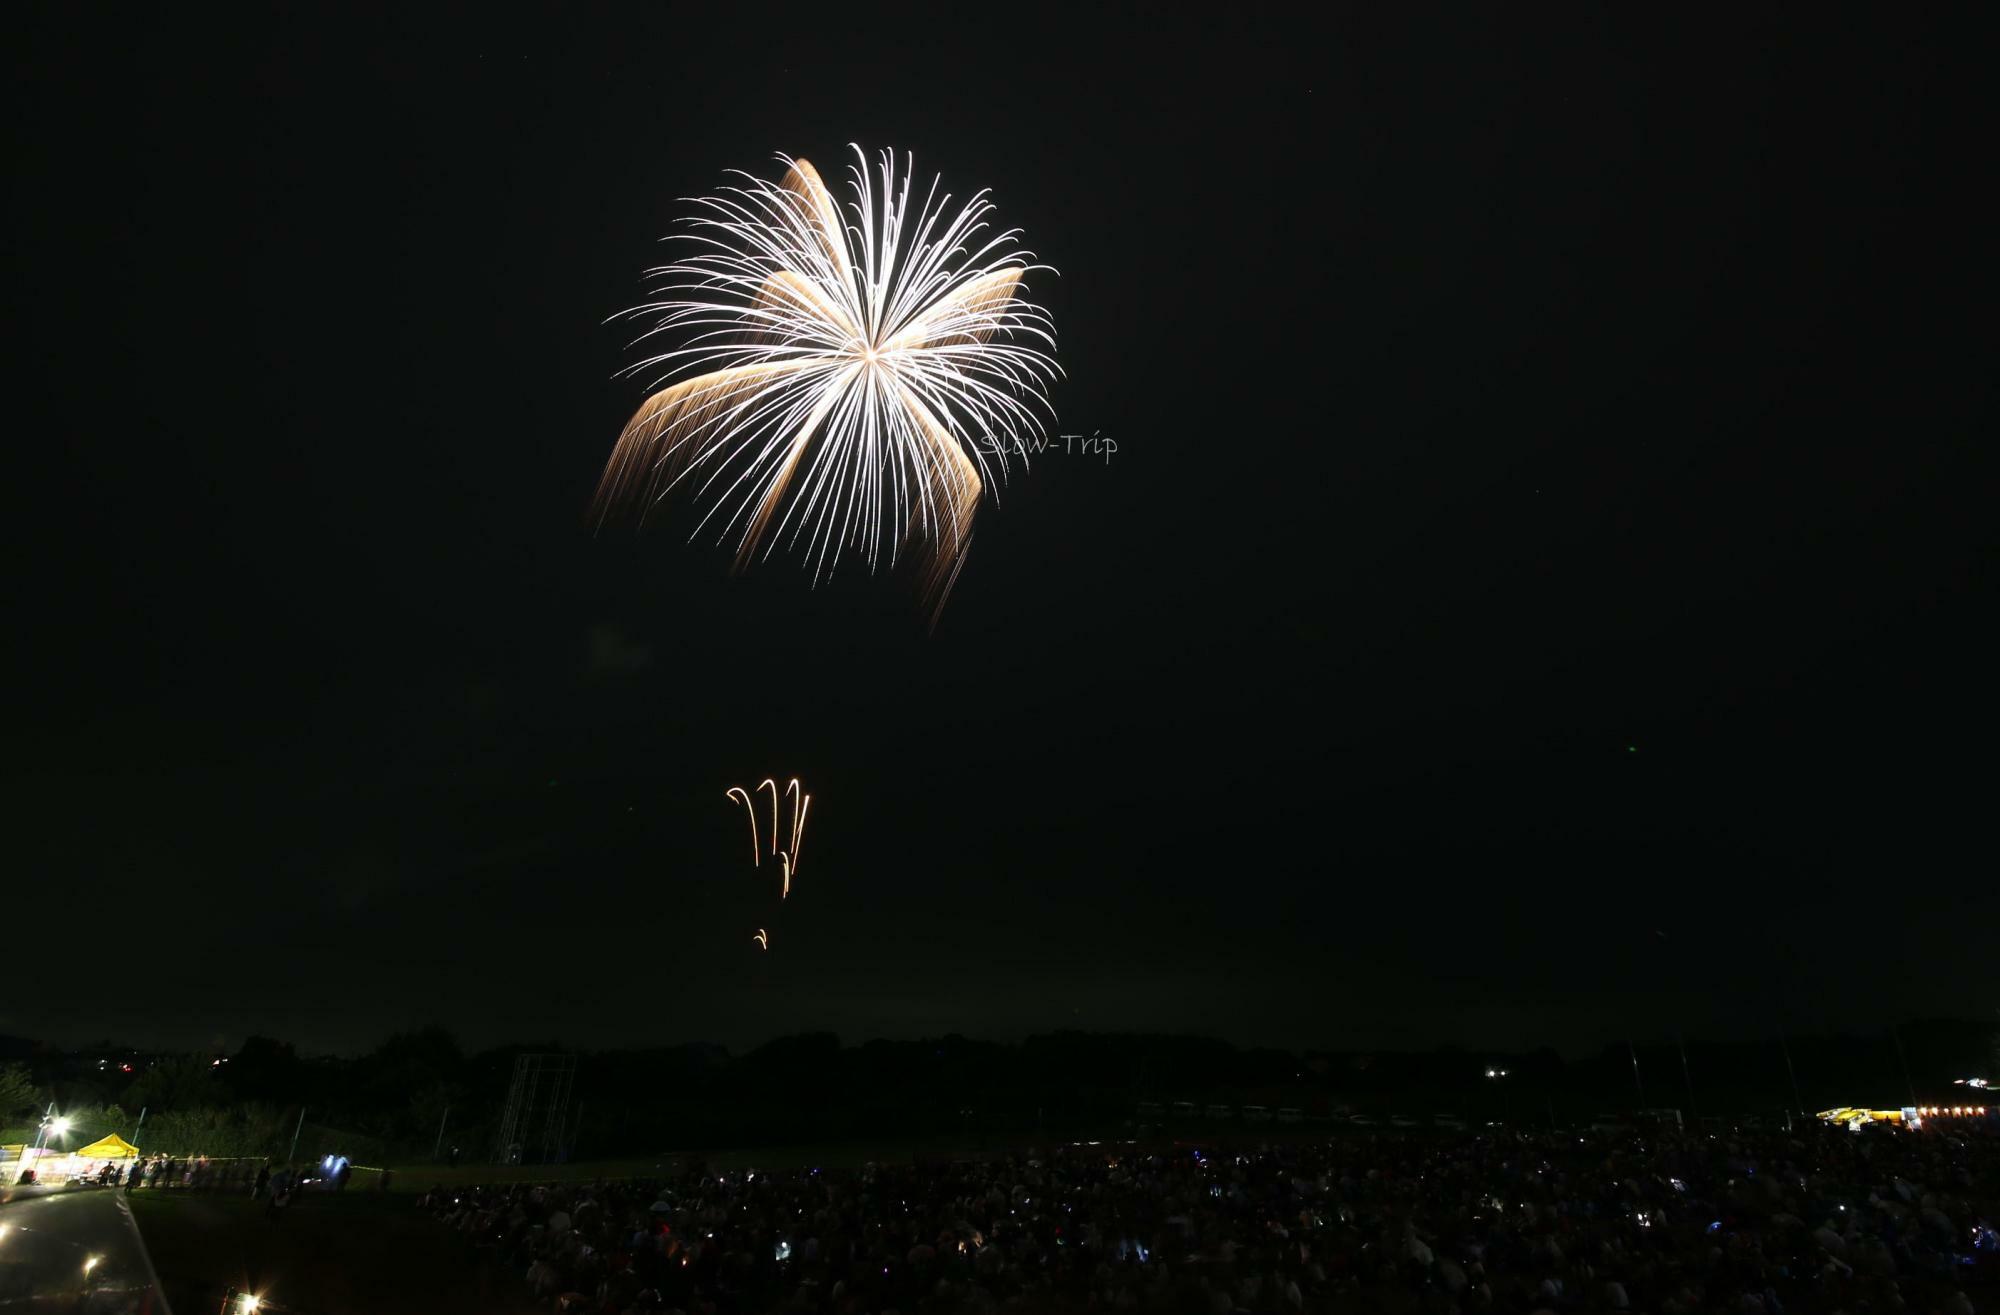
1541,593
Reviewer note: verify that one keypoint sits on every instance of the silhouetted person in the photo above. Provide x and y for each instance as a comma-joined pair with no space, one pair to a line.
281,1196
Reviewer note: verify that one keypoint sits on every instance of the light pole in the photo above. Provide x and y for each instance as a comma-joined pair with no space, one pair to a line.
1904,1060
50,1123
1798,1105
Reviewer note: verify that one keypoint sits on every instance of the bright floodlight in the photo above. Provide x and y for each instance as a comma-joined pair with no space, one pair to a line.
60,1125
251,1301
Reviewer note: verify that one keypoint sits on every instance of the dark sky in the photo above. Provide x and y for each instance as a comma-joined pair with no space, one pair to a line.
1541,592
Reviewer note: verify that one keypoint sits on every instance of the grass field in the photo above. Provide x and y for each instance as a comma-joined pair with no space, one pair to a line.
408,1179
367,1249
332,1253
420,1177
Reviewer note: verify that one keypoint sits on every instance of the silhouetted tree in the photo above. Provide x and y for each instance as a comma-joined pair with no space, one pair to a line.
186,1082
17,1091
265,1069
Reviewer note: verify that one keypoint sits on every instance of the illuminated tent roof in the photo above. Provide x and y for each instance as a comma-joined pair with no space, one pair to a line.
113,1147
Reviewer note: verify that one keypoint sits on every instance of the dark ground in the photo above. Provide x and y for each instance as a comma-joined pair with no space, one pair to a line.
46,1237
329,1254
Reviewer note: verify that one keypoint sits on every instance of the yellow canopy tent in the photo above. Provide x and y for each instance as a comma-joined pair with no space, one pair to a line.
113,1147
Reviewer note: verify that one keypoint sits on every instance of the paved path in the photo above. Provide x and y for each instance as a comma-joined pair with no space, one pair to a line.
73,1249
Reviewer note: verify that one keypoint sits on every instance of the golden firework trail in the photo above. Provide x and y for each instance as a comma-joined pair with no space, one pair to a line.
731,793
800,802
788,857
847,373
768,783
801,805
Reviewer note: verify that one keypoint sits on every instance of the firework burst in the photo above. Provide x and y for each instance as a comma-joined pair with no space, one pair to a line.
846,379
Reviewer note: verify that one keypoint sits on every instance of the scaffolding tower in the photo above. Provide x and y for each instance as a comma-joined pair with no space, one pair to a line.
535,1127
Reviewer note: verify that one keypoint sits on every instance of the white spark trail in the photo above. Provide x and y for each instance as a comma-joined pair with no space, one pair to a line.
845,379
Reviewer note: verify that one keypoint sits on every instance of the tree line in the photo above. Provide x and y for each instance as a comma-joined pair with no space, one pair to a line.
419,1094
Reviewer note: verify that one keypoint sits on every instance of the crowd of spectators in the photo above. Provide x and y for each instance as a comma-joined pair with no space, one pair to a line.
166,1171
1779,1223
